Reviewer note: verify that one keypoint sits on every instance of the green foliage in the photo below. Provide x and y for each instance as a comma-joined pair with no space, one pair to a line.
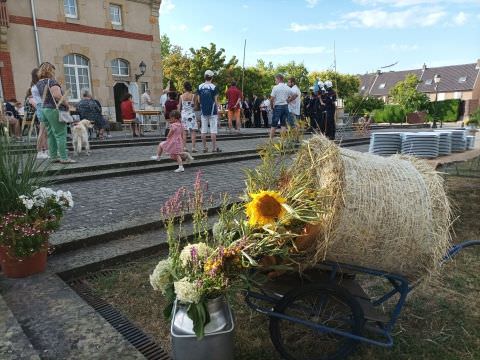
297,71
446,110
20,174
389,114
344,84
475,117
405,94
165,46
359,105
200,316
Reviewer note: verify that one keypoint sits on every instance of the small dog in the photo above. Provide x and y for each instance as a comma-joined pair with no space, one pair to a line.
80,136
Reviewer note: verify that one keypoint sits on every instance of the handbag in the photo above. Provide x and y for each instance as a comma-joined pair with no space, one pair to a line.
63,116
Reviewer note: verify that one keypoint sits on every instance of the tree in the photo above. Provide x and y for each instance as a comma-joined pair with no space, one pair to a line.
176,67
297,71
359,105
165,46
405,94
210,58
344,84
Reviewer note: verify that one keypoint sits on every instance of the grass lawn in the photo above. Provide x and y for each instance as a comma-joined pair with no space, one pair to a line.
440,321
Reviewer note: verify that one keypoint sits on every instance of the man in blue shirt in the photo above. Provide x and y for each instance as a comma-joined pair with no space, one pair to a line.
208,97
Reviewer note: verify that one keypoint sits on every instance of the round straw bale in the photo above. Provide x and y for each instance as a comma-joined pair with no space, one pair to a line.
390,213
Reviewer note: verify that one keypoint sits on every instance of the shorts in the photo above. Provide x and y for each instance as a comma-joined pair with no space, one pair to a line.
189,122
233,114
209,120
280,114
292,119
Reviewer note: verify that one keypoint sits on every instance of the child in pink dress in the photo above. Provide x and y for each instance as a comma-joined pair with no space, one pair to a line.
174,143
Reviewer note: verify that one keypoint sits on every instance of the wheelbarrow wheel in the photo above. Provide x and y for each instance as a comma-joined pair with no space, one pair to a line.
320,304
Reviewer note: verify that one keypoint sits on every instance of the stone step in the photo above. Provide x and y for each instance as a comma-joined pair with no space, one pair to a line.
14,344
74,263
58,323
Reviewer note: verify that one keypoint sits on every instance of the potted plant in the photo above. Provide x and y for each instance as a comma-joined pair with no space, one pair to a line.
473,121
24,233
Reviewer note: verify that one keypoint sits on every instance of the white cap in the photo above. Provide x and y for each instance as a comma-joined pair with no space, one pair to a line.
328,84
209,73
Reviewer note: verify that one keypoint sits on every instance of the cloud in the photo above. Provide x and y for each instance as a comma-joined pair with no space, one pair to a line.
378,18
311,3
295,50
460,18
331,25
395,19
181,27
207,28
166,6
245,6
402,47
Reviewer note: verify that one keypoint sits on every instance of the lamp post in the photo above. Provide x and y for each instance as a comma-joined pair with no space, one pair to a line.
436,80
143,68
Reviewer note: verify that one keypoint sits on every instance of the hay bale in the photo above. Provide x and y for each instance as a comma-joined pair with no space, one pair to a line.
385,213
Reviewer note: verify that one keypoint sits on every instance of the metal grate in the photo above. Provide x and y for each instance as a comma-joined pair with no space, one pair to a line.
142,342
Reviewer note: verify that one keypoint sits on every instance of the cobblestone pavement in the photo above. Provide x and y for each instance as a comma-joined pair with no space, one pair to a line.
143,153
130,199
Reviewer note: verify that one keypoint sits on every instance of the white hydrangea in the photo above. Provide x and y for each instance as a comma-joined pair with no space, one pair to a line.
201,250
187,292
160,278
27,202
41,195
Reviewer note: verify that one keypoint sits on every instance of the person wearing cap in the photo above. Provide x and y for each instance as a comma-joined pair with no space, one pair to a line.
279,98
208,97
329,98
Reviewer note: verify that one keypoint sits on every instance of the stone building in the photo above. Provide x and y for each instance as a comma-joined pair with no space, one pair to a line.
98,44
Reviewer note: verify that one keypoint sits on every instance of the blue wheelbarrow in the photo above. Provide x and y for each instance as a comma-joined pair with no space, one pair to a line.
326,314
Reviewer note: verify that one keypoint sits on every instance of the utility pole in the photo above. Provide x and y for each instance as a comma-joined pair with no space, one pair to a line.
243,65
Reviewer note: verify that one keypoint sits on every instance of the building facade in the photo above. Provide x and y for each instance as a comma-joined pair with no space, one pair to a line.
456,82
95,44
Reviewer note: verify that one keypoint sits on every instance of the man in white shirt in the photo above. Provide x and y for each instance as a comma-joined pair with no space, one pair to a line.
294,103
146,104
279,98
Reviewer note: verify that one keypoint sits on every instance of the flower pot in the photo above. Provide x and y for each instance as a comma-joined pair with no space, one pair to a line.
19,267
217,344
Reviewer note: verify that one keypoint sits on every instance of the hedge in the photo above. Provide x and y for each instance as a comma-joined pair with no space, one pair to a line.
446,110
389,114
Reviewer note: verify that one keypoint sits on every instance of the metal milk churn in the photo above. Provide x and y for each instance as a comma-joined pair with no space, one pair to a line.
217,344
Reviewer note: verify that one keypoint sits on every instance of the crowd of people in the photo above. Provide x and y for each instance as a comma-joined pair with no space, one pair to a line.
195,109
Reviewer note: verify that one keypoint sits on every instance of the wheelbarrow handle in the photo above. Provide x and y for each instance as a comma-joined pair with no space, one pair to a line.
454,250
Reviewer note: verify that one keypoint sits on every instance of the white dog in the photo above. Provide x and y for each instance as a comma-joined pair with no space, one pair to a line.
80,136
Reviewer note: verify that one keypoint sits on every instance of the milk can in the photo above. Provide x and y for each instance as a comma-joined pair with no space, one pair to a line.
217,344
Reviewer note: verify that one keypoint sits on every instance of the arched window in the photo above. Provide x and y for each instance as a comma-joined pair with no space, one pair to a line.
120,67
77,75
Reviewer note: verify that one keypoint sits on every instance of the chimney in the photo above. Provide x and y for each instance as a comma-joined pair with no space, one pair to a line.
478,65
424,67
379,72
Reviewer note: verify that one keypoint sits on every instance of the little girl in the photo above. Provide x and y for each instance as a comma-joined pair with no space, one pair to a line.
174,143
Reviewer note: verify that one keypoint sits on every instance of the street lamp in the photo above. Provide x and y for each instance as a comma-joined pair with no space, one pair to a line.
143,68
436,80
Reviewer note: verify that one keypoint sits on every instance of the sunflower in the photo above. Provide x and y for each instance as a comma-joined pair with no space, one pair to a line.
265,208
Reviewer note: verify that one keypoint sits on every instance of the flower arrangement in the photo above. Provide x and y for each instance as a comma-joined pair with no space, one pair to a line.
26,231
276,210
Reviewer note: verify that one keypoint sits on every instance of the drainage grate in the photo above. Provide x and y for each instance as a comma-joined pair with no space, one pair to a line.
143,343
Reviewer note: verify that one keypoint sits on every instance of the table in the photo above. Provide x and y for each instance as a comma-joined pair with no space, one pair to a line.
148,114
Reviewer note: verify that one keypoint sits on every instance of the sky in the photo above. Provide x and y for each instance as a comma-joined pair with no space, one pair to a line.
368,34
